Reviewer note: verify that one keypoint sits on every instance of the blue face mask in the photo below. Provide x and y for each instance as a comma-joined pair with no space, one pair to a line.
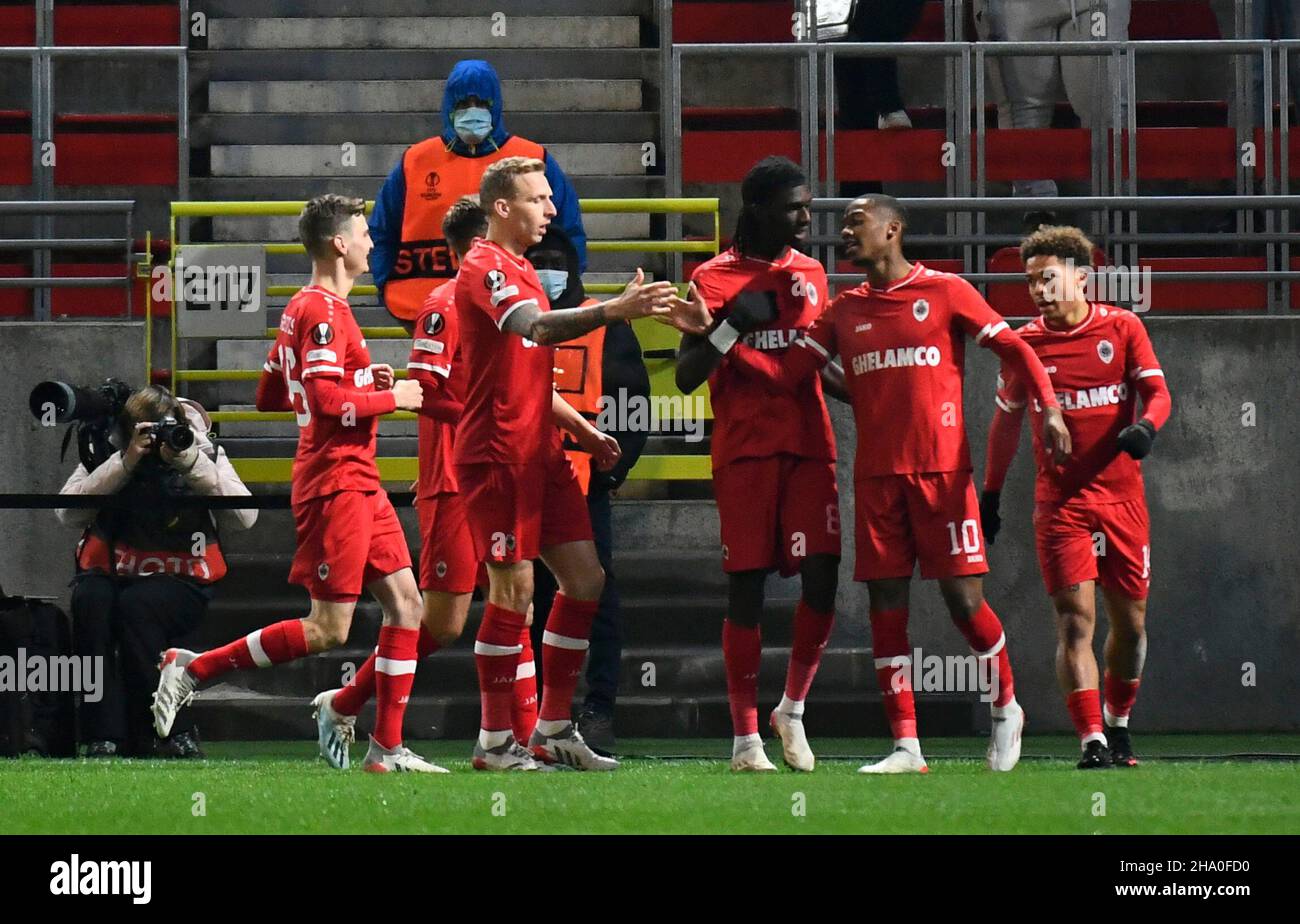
472,124
554,281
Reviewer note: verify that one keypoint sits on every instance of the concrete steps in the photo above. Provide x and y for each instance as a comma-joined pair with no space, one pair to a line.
557,127
297,96
423,32
429,8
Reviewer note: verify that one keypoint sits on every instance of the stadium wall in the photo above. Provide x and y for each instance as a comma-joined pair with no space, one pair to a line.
36,553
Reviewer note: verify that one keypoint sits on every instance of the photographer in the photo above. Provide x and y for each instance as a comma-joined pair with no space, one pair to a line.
167,559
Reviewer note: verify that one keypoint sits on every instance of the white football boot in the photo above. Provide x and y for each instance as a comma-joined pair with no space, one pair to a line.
567,749
901,760
510,755
1004,742
794,742
400,759
334,731
751,758
175,689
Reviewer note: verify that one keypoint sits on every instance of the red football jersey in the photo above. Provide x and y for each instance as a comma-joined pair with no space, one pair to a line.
752,419
1095,368
904,354
434,357
508,379
320,337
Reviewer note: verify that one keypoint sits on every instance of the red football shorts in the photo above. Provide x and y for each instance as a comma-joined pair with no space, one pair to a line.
515,511
776,511
1109,543
346,541
933,517
447,561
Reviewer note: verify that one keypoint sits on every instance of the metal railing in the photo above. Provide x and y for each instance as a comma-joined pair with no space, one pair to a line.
1114,153
42,56
43,282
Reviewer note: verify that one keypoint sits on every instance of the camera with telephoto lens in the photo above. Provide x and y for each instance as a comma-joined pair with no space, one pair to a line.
171,433
86,403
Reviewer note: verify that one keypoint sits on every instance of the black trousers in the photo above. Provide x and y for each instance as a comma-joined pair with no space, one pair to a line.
128,625
605,656
866,88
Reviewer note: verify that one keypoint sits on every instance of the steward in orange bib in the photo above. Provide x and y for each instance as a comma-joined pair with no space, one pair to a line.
411,257
592,371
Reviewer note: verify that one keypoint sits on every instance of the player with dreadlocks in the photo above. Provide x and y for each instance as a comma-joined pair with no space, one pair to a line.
773,450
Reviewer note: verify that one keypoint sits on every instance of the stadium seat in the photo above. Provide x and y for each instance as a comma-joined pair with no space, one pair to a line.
143,144
15,303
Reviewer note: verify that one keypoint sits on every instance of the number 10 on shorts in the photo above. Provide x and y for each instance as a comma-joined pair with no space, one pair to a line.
970,537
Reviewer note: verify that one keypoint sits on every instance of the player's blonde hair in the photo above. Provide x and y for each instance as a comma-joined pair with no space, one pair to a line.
499,179
1065,242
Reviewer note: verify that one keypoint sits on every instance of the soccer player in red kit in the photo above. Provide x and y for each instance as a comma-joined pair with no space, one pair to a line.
1100,361
448,569
773,452
522,497
348,533
900,335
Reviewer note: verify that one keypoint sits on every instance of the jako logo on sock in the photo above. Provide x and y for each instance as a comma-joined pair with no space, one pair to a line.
103,877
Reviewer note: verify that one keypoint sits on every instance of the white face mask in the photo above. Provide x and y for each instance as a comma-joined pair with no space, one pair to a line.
472,124
554,281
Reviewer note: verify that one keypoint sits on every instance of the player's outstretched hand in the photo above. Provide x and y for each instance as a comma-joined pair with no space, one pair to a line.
750,310
409,394
1136,439
690,316
1056,436
990,519
384,376
604,449
641,299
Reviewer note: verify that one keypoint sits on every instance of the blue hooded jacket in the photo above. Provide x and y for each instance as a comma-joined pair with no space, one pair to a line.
467,78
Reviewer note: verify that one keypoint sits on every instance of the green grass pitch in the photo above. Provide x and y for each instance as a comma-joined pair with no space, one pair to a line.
672,787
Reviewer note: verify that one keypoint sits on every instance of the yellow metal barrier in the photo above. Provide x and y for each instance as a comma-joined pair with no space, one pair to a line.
653,336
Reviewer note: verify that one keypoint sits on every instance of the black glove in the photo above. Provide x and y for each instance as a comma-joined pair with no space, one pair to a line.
750,310
1136,439
990,521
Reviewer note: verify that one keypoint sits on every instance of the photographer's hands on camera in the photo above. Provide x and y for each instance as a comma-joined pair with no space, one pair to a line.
143,443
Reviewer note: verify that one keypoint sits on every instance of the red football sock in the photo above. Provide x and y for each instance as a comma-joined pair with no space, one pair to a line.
811,632
564,648
1121,694
742,653
350,699
274,644
496,655
395,663
1085,712
984,634
892,653
524,715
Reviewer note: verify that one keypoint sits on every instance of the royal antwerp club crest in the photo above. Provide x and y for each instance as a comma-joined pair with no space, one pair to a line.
1105,351
920,309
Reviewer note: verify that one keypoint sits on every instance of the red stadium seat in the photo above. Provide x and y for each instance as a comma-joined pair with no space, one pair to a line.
1183,153
15,303
108,302
1170,296
1173,19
